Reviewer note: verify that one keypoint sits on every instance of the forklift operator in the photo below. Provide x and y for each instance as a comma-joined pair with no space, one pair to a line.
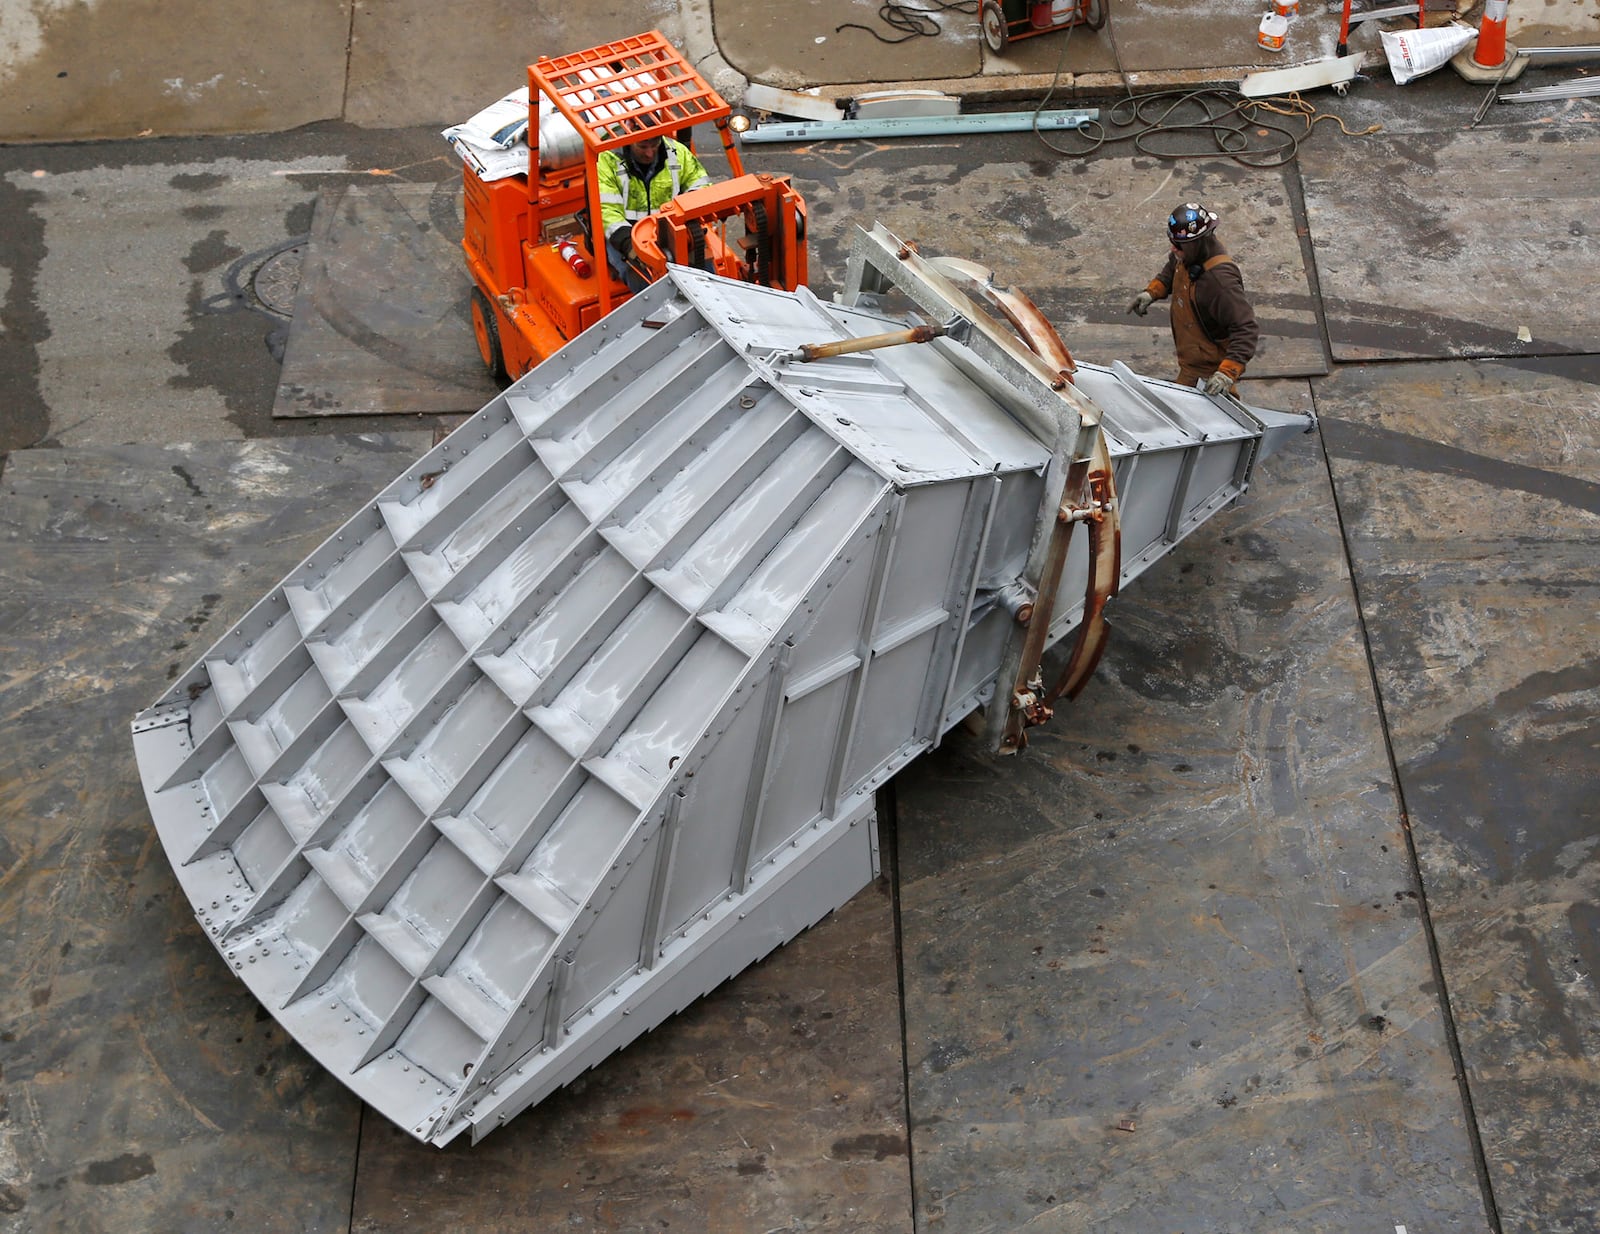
634,180
1214,328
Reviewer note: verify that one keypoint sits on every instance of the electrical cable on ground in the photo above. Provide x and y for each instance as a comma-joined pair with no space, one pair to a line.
916,22
1158,122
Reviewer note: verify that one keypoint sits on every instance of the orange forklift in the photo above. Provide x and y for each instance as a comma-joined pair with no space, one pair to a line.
535,243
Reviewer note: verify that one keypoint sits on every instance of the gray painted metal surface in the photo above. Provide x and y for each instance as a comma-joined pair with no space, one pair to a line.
585,712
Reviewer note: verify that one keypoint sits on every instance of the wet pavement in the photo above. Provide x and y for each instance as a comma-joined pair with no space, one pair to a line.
1289,922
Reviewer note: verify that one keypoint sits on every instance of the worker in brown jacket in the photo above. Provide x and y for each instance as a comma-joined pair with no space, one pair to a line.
1214,327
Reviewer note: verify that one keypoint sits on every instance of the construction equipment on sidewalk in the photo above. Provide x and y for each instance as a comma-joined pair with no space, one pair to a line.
1347,19
1415,53
586,711
1491,59
1577,87
1491,52
922,126
1005,21
527,238
1335,71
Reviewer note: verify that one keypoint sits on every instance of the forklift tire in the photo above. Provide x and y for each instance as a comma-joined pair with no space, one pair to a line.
486,329
992,23
1095,18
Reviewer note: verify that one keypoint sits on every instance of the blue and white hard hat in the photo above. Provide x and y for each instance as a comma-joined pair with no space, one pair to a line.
1190,221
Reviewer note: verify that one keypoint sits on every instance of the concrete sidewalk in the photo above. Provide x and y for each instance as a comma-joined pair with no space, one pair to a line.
75,72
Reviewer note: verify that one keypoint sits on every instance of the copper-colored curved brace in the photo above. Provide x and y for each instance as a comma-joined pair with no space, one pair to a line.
1027,706
1089,496
1030,324
1105,577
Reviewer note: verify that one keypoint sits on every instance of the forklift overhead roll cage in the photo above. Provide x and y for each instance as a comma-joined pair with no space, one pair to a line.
622,92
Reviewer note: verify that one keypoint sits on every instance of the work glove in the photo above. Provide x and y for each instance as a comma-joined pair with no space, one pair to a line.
1141,303
621,240
1222,381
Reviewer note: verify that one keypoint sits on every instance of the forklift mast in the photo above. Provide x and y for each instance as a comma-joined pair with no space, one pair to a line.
622,92
535,288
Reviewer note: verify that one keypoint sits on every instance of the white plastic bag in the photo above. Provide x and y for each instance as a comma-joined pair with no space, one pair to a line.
498,126
1413,53
494,143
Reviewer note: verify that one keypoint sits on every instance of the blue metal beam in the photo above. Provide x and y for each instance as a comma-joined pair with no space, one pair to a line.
920,126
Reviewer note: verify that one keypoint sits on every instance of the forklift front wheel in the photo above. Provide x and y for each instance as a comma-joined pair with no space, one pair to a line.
992,22
486,329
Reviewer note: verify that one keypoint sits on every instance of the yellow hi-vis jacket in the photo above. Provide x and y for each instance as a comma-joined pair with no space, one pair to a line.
626,198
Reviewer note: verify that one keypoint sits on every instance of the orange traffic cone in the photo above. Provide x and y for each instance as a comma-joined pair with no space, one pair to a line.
1491,50
1492,59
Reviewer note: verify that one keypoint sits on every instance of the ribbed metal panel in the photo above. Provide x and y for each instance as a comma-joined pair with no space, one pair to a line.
584,712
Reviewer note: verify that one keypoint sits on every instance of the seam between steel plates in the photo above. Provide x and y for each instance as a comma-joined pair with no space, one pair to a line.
1452,1033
